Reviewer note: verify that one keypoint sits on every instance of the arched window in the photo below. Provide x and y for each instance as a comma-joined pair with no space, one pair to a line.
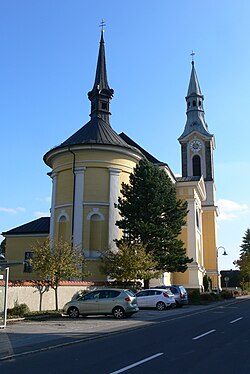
194,103
62,228
196,166
95,235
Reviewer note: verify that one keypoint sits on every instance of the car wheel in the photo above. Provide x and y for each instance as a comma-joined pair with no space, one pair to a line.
118,312
73,312
160,305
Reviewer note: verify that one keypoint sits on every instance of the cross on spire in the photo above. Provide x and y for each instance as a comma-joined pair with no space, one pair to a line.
102,25
192,54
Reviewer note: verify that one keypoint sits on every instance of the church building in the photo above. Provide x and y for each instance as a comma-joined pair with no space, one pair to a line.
87,171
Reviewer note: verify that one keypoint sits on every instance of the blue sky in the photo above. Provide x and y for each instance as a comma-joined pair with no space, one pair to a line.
48,58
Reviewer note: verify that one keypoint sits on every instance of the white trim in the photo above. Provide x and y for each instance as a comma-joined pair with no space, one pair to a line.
63,214
126,151
63,206
78,206
113,230
53,206
89,203
93,212
27,235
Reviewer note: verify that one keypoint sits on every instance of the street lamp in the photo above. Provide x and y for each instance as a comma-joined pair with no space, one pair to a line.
4,278
218,275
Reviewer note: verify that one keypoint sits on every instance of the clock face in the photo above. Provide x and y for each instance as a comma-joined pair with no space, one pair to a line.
195,146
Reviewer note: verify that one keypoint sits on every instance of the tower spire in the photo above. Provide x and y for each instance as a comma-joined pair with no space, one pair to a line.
195,111
101,93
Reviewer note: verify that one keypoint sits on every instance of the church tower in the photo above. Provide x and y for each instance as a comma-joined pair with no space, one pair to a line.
87,171
197,147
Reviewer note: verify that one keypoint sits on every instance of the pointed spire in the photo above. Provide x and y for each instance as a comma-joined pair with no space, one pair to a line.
195,111
194,87
101,93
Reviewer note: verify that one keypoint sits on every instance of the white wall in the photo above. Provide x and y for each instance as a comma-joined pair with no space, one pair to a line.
30,296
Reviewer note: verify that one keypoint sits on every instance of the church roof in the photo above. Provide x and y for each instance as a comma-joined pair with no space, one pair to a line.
194,87
38,226
195,112
96,131
131,142
188,179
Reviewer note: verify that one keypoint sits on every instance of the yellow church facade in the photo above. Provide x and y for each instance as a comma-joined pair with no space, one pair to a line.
87,171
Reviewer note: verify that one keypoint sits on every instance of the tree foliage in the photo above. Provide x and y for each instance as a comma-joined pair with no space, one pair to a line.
153,216
130,263
244,261
245,246
57,262
3,246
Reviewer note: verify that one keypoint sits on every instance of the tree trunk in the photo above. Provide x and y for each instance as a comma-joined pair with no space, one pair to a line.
56,299
146,283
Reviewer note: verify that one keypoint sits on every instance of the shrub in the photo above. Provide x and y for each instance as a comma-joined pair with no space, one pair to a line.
194,296
226,295
18,310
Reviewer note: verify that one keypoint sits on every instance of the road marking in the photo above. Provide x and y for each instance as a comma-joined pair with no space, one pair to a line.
136,363
236,320
205,333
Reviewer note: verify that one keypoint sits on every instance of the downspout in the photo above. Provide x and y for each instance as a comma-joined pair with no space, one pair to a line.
74,190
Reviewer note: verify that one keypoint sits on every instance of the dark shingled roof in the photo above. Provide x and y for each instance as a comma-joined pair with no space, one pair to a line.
149,157
96,131
188,179
38,226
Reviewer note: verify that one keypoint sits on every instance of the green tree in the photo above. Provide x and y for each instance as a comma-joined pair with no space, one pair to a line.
57,262
3,247
244,265
153,216
129,263
244,261
245,246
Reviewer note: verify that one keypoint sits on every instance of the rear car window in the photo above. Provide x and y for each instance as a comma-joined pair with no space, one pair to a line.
129,293
183,289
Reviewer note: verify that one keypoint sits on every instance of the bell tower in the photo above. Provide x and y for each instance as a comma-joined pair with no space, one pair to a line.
197,147
197,144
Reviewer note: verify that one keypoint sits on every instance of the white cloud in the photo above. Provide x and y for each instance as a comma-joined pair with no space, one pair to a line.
12,210
46,199
41,214
230,210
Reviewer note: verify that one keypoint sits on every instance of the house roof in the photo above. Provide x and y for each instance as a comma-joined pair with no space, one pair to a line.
38,226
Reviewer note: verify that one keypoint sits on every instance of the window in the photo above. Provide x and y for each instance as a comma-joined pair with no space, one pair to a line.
196,166
189,104
62,228
194,103
27,268
104,106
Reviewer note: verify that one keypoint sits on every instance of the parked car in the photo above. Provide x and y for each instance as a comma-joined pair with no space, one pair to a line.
119,302
155,298
180,294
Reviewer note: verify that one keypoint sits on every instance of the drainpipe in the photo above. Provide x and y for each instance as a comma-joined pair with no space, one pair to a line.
73,200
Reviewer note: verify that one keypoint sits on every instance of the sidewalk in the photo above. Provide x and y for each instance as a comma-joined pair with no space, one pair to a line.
27,336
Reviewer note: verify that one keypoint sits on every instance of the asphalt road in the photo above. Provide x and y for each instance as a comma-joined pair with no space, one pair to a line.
194,340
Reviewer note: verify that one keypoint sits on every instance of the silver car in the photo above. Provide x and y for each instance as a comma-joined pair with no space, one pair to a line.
119,302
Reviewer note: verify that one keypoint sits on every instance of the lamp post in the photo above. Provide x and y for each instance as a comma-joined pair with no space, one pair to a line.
4,277
218,274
